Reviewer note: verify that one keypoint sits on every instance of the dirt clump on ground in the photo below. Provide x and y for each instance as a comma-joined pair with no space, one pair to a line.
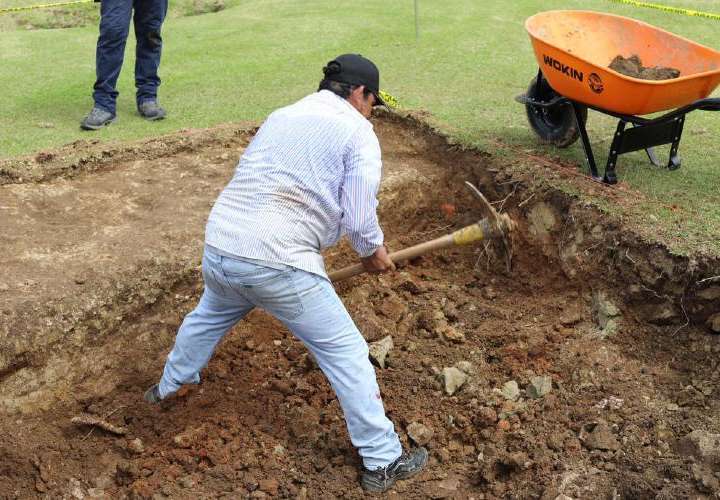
575,375
632,66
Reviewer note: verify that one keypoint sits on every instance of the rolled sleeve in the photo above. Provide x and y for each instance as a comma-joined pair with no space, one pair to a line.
358,197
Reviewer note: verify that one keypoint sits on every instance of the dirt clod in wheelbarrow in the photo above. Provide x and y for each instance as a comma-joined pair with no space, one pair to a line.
632,66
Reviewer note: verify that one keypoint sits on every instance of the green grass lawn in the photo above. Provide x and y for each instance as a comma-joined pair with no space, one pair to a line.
239,64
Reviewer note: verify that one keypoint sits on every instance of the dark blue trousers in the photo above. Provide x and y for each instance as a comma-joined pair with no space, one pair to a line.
115,18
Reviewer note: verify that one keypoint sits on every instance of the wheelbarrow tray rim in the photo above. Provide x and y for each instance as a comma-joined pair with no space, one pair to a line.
548,13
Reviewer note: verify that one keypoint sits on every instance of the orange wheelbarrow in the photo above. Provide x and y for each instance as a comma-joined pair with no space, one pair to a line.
574,50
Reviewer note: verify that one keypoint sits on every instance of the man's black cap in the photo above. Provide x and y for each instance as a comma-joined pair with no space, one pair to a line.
355,70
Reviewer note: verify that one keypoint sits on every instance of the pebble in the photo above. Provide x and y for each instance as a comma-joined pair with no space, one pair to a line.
281,386
136,446
489,293
419,433
379,351
539,387
703,445
453,379
186,482
601,438
510,390
713,323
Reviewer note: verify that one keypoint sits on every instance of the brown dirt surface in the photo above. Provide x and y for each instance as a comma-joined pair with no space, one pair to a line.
632,66
100,264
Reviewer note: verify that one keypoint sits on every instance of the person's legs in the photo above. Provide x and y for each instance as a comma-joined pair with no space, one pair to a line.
218,310
148,19
114,28
326,328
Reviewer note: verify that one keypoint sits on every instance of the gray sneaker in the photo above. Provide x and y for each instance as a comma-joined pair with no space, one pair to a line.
383,478
151,110
152,395
97,119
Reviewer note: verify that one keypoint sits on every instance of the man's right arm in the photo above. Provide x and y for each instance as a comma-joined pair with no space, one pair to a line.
358,195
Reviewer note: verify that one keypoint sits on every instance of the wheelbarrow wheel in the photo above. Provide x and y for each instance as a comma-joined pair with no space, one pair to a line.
554,124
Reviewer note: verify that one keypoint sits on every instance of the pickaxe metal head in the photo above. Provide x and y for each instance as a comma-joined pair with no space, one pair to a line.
500,225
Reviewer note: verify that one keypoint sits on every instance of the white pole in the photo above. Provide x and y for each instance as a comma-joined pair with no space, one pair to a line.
417,22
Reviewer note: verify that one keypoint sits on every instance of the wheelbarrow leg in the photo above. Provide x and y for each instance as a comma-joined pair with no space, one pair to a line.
587,147
674,162
610,176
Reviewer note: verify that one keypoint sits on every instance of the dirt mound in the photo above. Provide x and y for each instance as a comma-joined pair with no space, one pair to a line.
576,374
632,66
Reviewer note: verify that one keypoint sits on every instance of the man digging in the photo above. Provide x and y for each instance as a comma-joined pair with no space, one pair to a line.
310,175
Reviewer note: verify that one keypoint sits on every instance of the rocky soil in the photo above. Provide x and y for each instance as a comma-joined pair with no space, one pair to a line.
590,371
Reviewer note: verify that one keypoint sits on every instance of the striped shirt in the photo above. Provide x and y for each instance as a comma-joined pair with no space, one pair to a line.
310,175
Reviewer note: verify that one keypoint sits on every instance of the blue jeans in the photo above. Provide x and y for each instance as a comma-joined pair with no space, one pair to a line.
114,28
308,305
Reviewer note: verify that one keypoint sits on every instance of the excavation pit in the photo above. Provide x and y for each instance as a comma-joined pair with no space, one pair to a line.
599,330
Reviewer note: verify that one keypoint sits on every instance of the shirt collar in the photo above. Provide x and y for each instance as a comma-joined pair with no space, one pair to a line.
333,97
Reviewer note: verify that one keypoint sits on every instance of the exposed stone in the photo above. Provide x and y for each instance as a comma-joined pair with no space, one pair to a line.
466,367
713,323
369,324
136,446
603,308
379,350
702,445
601,438
706,480
605,313
453,379
451,333
489,293
690,396
393,308
437,323
539,387
186,482
281,386
542,221
510,390
419,433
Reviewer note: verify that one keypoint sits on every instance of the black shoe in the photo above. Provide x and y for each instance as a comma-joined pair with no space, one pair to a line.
383,478
152,395
151,110
97,119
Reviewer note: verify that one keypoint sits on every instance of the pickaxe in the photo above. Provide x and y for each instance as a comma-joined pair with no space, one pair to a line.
492,227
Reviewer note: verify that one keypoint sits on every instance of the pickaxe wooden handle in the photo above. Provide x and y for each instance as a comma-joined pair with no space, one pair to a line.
496,225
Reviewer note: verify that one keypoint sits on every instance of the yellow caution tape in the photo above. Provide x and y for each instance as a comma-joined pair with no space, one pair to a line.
42,6
667,8
467,235
389,100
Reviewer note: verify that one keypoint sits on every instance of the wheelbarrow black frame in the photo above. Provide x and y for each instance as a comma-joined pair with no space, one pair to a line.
646,133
